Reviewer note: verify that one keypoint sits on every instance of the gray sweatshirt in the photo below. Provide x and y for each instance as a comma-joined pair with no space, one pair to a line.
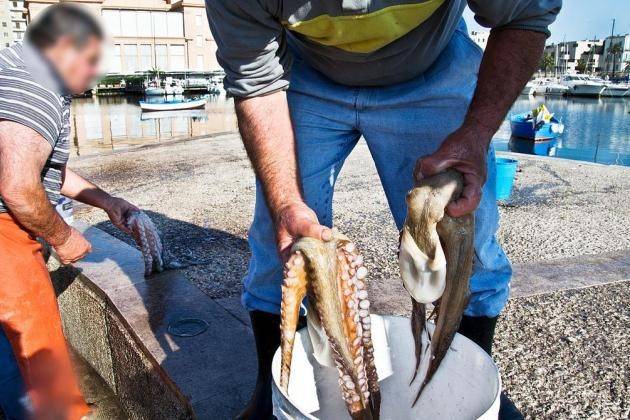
352,42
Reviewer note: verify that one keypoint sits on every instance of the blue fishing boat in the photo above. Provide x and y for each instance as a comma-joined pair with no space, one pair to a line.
537,125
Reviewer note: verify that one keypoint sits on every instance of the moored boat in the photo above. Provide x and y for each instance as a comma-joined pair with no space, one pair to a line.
173,105
553,89
537,125
580,85
616,90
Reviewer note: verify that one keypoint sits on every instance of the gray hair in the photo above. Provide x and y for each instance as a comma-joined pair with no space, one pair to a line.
63,19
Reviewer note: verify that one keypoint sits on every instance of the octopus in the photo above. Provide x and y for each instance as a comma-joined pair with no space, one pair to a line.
435,259
148,238
332,277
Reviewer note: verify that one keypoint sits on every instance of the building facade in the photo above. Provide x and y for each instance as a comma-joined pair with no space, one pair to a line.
577,56
12,22
616,55
169,35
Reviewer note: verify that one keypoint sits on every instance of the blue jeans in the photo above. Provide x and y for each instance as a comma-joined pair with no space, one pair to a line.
13,399
399,123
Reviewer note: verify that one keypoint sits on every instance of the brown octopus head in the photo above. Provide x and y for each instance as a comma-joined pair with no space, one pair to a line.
435,258
332,276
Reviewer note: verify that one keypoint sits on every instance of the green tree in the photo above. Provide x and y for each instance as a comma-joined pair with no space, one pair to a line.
547,62
581,66
155,72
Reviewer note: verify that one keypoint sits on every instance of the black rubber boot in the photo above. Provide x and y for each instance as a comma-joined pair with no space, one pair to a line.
481,331
266,328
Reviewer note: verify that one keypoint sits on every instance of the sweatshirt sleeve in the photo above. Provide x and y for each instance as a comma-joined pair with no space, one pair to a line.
251,47
533,15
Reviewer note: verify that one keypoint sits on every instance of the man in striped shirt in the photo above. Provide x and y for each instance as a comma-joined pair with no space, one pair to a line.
59,57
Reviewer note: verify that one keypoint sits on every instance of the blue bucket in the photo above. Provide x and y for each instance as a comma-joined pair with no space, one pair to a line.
506,172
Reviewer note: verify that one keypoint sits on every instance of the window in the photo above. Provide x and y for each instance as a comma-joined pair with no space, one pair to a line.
198,20
111,18
161,57
145,57
115,61
175,24
145,28
128,23
199,41
131,57
159,23
4,24
200,62
178,57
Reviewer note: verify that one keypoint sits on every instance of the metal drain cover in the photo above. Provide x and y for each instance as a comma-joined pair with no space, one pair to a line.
188,327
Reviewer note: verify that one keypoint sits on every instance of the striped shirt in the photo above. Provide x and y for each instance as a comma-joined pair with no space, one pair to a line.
31,94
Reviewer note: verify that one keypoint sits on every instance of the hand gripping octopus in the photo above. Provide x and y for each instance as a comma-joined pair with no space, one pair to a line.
435,258
332,277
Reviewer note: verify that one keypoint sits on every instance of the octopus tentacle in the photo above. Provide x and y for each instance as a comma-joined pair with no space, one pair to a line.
293,291
435,258
418,321
457,236
333,279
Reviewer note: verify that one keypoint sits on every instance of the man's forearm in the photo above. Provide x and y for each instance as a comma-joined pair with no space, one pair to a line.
29,204
80,189
510,59
267,133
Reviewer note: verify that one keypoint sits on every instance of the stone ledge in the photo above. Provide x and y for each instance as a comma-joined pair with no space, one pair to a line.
118,322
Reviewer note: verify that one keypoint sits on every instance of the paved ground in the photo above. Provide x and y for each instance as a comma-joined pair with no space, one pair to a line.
200,193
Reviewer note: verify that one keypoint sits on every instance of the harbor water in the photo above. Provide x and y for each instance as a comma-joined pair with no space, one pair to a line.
596,130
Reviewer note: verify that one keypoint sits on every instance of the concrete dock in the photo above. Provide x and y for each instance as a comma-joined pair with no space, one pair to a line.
562,344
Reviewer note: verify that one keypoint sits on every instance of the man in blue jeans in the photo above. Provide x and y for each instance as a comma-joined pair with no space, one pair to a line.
311,78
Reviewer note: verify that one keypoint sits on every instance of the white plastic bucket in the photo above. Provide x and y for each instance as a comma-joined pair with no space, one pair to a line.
466,386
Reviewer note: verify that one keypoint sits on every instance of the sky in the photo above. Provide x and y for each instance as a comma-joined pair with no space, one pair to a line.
582,19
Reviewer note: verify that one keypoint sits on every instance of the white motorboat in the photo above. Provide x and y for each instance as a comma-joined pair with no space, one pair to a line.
552,89
154,91
616,90
172,105
529,88
581,85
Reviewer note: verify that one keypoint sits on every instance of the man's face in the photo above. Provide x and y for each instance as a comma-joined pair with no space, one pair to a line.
77,66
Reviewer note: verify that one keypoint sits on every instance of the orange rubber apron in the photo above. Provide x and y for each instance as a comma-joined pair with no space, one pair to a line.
30,318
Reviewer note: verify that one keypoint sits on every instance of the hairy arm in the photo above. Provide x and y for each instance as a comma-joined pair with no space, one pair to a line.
267,133
80,189
23,153
511,57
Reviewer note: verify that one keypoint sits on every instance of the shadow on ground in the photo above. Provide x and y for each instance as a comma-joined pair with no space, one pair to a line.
221,258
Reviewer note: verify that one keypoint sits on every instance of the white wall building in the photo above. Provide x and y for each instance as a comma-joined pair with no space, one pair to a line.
480,38
567,55
12,22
